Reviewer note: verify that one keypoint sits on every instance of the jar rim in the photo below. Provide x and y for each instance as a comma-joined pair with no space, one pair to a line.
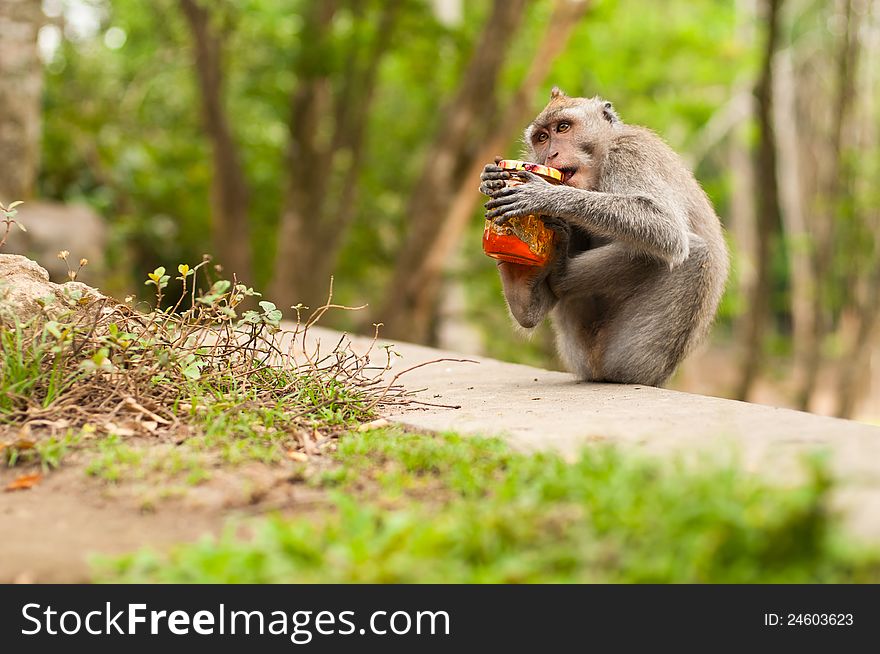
538,169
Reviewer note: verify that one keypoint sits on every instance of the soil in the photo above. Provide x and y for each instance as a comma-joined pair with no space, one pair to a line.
53,530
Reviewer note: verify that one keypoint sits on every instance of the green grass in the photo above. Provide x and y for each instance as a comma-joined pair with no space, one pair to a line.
163,466
23,372
48,452
418,508
115,460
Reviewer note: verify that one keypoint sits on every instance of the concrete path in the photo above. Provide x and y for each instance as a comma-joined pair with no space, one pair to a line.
534,409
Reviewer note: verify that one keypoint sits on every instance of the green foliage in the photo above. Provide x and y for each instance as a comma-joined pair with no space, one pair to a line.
7,218
158,278
454,509
115,459
48,453
123,129
123,126
25,375
225,387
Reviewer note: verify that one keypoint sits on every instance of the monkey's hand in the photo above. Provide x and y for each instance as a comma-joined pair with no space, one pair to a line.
493,179
535,196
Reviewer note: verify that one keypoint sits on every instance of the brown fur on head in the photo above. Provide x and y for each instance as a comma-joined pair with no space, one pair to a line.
573,135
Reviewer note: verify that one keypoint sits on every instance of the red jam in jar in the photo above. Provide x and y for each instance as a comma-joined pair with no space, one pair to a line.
522,239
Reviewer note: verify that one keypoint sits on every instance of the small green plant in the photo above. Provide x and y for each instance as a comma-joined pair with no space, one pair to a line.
31,372
115,459
48,453
159,279
8,218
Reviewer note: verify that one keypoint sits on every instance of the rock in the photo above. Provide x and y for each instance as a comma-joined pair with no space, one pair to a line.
26,292
52,227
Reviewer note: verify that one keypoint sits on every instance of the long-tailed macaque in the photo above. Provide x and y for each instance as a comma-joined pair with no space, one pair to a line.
640,261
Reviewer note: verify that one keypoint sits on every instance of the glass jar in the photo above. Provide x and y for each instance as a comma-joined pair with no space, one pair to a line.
522,239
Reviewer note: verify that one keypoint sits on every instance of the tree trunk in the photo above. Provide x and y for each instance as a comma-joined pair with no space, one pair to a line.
768,212
21,85
230,230
445,197
825,231
742,221
427,278
794,223
855,366
853,370
322,190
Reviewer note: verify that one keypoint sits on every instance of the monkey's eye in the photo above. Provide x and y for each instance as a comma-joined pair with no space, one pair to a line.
564,126
541,137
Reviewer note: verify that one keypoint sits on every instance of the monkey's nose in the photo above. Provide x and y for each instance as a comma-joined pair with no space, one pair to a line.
552,156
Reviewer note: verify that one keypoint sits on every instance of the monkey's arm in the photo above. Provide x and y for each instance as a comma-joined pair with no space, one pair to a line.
527,292
529,289
645,220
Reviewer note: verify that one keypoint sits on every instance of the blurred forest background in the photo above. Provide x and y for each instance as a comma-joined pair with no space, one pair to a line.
295,139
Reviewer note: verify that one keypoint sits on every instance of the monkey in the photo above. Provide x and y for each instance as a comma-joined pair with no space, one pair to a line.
640,261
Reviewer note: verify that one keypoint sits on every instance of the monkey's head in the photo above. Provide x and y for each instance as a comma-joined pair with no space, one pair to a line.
573,135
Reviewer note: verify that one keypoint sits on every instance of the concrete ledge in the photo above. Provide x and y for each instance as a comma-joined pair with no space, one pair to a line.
534,409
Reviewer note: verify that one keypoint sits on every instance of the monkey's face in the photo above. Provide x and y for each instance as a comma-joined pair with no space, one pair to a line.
573,135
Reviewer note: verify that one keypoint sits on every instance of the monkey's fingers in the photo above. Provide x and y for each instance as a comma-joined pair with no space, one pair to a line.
562,230
502,214
556,224
491,187
498,220
526,176
491,171
503,196
505,206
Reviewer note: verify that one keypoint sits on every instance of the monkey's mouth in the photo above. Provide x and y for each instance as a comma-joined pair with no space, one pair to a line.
567,173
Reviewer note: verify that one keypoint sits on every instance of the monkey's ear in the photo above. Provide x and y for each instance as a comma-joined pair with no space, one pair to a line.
556,92
609,114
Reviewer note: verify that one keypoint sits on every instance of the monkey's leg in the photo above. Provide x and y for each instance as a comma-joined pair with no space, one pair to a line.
591,287
654,328
613,271
527,293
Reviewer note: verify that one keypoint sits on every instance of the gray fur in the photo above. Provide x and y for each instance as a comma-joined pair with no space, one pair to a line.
630,304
